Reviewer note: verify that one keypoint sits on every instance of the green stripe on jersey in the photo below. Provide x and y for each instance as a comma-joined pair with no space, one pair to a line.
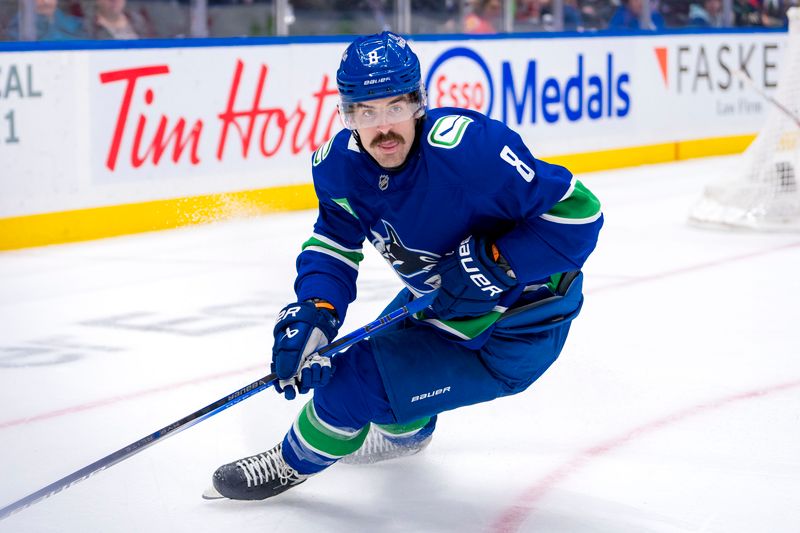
555,279
352,256
467,328
325,440
581,206
344,204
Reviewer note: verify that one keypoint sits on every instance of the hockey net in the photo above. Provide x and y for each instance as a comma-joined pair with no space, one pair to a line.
765,195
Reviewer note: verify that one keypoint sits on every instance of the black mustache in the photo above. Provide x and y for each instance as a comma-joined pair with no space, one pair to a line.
384,137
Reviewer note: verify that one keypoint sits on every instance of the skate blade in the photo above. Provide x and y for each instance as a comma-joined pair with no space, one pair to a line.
212,494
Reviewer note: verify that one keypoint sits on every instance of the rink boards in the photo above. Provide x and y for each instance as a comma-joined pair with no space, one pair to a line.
101,142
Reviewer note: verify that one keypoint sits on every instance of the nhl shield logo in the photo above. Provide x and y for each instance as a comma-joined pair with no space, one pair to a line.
383,182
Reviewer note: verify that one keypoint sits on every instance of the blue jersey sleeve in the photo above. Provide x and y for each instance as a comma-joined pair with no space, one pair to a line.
327,267
556,218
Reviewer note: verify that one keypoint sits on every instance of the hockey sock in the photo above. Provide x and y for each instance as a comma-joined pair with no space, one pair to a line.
311,445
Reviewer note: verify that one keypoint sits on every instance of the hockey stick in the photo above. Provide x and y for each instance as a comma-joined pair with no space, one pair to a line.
742,75
210,410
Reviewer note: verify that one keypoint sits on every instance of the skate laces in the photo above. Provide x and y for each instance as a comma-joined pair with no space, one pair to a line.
263,467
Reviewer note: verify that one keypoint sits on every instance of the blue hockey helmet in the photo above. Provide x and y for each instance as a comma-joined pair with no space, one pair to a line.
379,66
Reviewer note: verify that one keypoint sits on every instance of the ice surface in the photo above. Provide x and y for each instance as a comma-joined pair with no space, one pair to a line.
675,405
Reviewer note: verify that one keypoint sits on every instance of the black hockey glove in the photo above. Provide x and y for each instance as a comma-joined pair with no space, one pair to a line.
471,281
302,328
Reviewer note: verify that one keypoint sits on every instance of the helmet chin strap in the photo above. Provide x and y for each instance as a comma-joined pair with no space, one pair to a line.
414,146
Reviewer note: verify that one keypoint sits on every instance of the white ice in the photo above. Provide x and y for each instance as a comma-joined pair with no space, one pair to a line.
675,405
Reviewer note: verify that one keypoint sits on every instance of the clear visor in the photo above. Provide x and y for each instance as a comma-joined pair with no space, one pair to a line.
383,112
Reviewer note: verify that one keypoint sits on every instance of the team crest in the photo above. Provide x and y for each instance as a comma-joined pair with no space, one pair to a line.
448,131
412,265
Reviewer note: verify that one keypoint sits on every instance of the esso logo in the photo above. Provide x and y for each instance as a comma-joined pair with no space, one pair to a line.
460,78
451,92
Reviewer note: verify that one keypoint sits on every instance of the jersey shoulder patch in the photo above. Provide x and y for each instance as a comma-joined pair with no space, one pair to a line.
448,131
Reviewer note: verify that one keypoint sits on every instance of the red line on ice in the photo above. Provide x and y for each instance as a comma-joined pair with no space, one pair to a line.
124,397
512,518
691,268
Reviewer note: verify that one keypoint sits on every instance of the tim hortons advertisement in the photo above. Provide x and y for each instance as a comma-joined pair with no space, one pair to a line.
243,117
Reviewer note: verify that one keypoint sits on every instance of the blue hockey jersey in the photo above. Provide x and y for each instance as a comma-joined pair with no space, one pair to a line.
466,175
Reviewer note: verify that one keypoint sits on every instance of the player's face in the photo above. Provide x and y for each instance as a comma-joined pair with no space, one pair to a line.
387,129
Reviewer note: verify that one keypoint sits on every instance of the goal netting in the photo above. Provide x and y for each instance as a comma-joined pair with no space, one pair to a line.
764,194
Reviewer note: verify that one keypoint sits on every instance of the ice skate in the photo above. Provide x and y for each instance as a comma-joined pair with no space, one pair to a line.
254,478
381,446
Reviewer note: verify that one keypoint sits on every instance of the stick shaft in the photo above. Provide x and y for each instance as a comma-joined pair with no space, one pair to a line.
207,411
363,332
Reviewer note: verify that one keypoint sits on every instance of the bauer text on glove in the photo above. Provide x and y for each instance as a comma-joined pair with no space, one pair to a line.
302,329
471,280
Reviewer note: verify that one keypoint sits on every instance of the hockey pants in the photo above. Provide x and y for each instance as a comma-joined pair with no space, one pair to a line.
401,377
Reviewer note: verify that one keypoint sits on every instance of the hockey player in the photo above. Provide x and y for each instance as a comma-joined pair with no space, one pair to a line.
452,200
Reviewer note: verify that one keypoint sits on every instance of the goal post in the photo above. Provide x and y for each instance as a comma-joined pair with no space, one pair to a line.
764,193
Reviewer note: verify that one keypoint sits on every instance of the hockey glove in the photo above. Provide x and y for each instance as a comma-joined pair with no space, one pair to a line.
302,328
471,281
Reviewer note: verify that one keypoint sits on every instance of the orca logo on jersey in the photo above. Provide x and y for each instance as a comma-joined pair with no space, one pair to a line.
407,262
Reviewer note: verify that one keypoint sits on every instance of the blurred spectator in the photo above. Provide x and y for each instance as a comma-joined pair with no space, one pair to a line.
707,15
448,14
747,12
51,24
770,13
484,17
595,14
112,20
676,12
627,15
533,15
773,13
537,15
572,16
